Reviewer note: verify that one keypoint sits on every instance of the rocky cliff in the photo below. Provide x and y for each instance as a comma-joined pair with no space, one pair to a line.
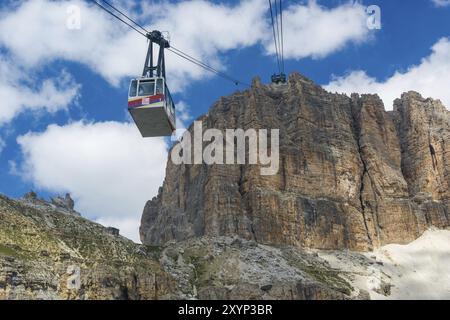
44,246
352,175
47,252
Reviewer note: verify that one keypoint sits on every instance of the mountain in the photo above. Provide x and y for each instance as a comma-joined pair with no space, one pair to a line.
351,176
43,246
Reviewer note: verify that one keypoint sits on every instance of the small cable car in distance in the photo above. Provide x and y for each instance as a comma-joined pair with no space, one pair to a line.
149,101
279,78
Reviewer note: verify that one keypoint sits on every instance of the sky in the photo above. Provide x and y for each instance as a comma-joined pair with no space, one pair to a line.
65,68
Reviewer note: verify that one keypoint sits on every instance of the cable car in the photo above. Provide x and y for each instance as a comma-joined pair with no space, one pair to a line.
279,78
149,101
151,106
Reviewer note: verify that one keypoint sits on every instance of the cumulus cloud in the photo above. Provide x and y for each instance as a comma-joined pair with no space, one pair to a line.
215,29
21,93
96,44
107,167
431,78
117,52
441,3
316,31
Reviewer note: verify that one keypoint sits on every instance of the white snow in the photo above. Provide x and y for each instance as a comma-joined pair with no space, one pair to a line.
421,269
417,271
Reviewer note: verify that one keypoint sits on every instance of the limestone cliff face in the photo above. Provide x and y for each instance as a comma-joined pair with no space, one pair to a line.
351,174
424,132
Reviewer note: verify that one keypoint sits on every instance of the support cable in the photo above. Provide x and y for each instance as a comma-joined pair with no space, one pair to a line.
136,26
274,35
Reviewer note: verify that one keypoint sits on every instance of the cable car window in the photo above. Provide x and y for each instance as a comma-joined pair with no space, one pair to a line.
133,88
169,100
159,86
146,88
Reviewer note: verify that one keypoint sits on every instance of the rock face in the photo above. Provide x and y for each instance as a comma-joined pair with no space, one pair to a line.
61,204
65,202
42,250
424,133
351,174
231,268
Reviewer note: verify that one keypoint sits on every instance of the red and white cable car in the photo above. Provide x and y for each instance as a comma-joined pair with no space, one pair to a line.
149,101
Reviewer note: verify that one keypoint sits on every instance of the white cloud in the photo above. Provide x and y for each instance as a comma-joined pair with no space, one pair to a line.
183,120
129,227
441,3
20,92
107,167
184,116
200,28
116,51
431,78
102,43
315,31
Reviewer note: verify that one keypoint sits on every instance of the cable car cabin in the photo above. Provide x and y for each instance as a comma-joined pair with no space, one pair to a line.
279,78
151,106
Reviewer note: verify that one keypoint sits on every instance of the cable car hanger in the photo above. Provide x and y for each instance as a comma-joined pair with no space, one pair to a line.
160,68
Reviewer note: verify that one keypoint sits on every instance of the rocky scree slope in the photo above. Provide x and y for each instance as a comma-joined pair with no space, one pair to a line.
40,241
352,175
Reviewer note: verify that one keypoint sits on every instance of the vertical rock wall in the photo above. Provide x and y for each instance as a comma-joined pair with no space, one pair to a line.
351,174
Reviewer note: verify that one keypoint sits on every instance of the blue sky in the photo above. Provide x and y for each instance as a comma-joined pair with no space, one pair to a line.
63,120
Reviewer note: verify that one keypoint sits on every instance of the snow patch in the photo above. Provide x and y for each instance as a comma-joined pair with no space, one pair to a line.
417,271
421,269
